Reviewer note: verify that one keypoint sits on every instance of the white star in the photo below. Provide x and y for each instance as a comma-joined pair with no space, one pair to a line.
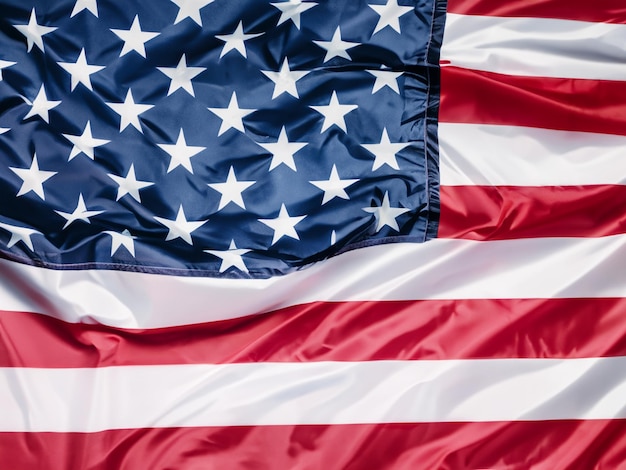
334,113
34,32
386,215
181,76
236,41
129,184
334,186
337,47
80,213
124,239
232,117
129,111
390,14
181,153
80,5
190,9
33,178
134,38
291,10
41,105
231,257
385,152
385,78
284,225
231,190
285,80
181,227
3,65
80,70
283,151
4,129
19,234
84,143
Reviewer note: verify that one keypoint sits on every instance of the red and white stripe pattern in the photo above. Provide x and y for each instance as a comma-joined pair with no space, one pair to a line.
501,345
533,119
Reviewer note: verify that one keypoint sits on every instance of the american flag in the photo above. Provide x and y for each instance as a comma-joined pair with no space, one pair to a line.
277,234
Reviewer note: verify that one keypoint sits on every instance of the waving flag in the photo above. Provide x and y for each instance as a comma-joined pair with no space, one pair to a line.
277,234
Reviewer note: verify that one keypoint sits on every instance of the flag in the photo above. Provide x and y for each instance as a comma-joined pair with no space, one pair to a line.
278,234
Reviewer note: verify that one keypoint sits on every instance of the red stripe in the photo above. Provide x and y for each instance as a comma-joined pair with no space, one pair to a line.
600,11
472,96
505,212
350,331
550,445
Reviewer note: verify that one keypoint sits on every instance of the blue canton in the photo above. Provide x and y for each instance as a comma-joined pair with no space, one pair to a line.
235,138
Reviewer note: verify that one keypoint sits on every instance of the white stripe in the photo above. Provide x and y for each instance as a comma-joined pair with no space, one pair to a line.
88,400
476,154
536,46
439,269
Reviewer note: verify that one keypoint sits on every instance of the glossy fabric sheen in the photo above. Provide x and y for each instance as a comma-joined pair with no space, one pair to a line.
333,331
506,212
548,445
535,46
550,103
605,11
507,155
97,399
441,269
499,345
